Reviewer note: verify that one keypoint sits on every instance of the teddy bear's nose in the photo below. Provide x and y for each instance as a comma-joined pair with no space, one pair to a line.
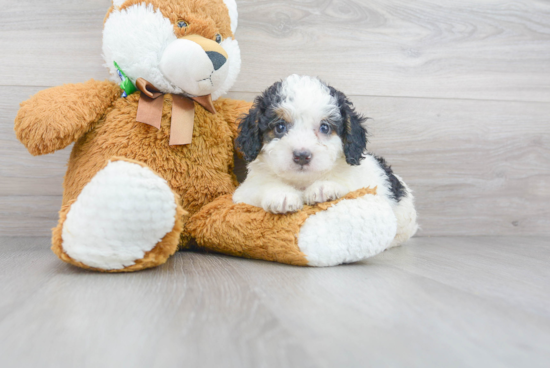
217,59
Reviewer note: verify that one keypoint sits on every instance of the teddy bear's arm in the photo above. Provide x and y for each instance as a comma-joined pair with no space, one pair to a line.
356,226
232,110
246,231
54,118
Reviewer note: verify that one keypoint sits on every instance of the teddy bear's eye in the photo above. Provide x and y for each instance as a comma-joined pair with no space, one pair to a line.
218,38
182,24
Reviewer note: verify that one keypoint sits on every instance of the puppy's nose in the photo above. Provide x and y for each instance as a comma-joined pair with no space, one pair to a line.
217,59
302,157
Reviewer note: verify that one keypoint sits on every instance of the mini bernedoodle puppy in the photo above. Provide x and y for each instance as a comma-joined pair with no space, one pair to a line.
306,144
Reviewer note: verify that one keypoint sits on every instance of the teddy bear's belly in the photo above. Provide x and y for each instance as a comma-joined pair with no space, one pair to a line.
199,172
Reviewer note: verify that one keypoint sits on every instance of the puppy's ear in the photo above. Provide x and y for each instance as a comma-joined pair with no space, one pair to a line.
352,132
249,141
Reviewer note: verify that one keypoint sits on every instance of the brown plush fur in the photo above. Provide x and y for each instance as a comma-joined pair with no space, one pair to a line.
159,255
57,117
107,130
205,17
246,231
104,127
198,173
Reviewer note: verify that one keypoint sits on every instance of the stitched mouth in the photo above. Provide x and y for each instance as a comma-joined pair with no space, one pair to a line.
208,78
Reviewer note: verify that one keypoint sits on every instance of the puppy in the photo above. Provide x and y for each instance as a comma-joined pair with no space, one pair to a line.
306,144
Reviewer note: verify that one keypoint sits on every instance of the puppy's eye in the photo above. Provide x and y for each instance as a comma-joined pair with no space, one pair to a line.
325,128
280,128
182,24
219,38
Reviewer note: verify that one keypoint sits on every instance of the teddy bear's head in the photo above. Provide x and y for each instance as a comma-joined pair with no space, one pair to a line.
180,46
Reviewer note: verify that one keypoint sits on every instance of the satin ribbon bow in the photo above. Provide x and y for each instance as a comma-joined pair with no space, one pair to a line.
183,111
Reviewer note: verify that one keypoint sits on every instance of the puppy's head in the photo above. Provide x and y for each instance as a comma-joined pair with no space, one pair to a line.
301,128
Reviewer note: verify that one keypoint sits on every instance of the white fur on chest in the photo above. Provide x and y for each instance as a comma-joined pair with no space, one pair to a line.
262,180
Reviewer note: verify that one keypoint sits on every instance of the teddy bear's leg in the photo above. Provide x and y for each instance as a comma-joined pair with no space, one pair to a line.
355,227
125,219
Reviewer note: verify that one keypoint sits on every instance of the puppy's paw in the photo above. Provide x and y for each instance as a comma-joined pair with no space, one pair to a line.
323,191
282,202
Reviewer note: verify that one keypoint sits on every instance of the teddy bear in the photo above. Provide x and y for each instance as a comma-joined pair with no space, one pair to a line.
151,170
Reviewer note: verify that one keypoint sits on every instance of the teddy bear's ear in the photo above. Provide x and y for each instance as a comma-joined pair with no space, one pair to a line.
233,14
118,3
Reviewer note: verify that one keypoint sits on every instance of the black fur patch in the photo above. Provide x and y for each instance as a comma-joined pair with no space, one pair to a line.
351,129
397,188
259,121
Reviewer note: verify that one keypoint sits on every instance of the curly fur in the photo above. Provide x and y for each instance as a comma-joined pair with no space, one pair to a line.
352,131
255,124
306,144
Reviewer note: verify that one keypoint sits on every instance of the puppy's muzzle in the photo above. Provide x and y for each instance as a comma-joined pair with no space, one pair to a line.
302,157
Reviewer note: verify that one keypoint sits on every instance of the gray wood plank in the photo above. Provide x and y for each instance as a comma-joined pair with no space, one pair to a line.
51,43
438,302
26,265
430,48
428,321
193,311
28,215
497,49
509,269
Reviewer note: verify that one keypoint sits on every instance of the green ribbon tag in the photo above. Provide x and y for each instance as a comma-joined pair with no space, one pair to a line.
127,86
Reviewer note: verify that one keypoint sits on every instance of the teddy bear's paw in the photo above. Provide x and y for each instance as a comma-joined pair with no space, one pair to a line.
348,231
323,191
119,216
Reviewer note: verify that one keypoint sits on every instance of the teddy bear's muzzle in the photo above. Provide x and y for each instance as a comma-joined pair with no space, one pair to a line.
195,64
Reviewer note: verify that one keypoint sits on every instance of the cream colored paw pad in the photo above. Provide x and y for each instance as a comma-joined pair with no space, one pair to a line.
121,214
348,232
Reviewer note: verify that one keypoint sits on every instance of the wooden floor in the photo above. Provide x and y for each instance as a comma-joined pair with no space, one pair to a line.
459,96
437,302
